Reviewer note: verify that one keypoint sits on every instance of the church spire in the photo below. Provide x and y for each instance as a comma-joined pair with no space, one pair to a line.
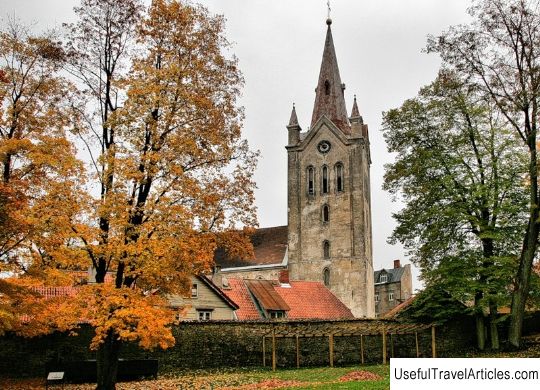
329,99
294,119
355,114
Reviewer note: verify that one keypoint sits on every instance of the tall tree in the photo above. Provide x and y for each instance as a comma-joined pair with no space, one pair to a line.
174,172
498,53
40,173
460,173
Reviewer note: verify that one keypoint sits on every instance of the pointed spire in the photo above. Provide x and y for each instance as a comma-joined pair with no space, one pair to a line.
294,119
329,99
355,113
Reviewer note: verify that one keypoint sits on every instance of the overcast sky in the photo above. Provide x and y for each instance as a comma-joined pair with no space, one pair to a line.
279,44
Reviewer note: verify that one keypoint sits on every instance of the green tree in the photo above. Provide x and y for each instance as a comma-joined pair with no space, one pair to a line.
460,173
498,54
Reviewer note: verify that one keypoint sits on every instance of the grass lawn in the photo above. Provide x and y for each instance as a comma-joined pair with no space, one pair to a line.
244,379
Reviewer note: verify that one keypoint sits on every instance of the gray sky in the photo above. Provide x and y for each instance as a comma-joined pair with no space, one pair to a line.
279,44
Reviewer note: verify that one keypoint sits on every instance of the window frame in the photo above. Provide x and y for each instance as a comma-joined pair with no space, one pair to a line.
390,297
325,180
194,288
325,213
383,278
204,313
340,177
310,180
326,276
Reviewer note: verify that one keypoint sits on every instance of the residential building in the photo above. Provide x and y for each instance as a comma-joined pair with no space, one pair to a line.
392,287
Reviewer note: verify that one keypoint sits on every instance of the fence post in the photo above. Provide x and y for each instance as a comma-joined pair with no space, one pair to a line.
361,349
273,350
264,351
384,345
297,352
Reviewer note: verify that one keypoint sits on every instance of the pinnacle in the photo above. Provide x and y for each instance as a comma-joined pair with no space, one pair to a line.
294,119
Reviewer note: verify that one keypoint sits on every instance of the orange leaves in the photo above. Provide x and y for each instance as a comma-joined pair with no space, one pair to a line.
131,316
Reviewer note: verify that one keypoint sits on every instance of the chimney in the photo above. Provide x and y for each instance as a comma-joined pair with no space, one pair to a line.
397,263
217,276
284,276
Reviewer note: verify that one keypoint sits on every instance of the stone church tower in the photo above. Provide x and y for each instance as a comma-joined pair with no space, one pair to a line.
329,206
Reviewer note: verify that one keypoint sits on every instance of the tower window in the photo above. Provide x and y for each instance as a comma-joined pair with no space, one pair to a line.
325,213
326,249
326,277
325,180
339,177
311,180
327,87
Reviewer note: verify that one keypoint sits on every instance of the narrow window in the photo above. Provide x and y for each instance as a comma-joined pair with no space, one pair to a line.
326,277
376,297
339,177
311,181
194,291
325,180
325,213
326,249
390,297
327,87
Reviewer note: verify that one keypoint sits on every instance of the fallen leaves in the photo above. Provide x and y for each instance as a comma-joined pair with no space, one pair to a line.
360,376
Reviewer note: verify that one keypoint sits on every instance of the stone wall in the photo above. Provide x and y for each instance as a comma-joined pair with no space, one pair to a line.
233,344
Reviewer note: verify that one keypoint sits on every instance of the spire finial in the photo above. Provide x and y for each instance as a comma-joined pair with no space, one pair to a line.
329,19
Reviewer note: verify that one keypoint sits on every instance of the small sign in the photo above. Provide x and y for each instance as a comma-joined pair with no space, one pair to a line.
55,376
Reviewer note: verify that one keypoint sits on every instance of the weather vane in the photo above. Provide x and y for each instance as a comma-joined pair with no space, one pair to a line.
329,9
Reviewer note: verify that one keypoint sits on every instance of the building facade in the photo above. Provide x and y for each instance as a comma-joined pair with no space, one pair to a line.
328,235
392,287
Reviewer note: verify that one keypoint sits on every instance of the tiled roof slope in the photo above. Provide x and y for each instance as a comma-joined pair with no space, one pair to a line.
305,300
269,247
312,300
52,292
392,314
239,294
394,274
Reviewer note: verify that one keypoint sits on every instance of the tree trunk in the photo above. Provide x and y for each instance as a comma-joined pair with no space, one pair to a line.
528,251
480,327
107,362
493,331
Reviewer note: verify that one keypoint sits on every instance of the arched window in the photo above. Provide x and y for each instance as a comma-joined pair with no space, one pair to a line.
327,87
326,249
339,177
325,181
326,277
311,180
325,213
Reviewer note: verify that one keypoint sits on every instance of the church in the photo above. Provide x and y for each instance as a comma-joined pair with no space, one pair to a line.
328,236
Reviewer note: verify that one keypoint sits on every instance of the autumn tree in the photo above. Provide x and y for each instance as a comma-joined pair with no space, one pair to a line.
39,182
461,176
175,176
498,53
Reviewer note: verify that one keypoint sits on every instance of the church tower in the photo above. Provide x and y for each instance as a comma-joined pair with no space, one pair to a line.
329,205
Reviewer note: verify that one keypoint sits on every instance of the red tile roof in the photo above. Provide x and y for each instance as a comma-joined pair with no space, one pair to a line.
52,292
306,300
239,294
269,247
312,300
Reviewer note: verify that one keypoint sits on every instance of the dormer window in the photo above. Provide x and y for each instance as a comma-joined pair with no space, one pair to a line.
311,180
383,278
327,87
325,186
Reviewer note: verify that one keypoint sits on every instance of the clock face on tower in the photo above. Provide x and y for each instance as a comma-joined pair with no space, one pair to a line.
324,146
